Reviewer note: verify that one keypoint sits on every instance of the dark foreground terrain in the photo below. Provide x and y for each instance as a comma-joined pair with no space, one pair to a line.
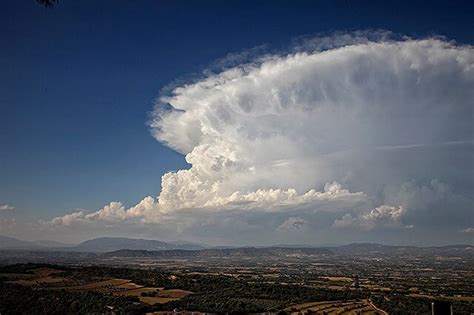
352,279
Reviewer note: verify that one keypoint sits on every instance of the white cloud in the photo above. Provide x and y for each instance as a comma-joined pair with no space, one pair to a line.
292,223
434,204
270,125
353,112
467,230
346,221
7,226
149,210
68,219
115,211
6,208
384,212
384,216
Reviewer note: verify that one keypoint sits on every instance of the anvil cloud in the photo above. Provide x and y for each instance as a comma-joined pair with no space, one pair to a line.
361,135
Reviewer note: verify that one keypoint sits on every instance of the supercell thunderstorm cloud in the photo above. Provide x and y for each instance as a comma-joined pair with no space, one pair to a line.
363,137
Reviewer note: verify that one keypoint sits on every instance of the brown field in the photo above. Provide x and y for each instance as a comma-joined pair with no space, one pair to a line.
462,298
452,298
135,292
374,287
352,307
44,272
120,287
156,300
43,280
339,279
26,283
174,293
337,287
129,286
17,276
100,286
39,276
176,313
50,280
163,296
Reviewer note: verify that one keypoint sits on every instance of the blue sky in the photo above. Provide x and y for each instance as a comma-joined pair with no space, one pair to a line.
79,82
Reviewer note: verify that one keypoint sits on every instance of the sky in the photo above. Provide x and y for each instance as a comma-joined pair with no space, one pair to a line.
239,123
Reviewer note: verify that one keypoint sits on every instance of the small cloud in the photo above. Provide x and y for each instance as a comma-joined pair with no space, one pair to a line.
345,221
6,208
384,213
7,226
467,230
68,219
382,216
292,224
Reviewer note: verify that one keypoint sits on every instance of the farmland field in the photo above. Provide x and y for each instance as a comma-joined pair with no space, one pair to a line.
282,284
339,279
352,307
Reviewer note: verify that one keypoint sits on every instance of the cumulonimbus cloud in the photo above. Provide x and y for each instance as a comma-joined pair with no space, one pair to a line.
286,130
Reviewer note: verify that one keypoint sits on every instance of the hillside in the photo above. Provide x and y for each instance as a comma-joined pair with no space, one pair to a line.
13,243
225,252
107,244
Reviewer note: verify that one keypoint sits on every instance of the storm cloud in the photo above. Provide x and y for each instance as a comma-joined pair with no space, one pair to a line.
345,133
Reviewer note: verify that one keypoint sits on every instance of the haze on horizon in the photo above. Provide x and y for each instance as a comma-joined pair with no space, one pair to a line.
350,136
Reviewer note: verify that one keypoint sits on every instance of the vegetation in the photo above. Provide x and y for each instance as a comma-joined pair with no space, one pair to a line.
101,289
17,299
245,297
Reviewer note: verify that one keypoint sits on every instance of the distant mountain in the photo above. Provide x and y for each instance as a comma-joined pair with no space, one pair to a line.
13,243
127,247
53,244
103,244
242,252
107,244
190,244
357,249
376,250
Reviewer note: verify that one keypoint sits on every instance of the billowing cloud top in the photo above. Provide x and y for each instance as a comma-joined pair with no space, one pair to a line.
342,130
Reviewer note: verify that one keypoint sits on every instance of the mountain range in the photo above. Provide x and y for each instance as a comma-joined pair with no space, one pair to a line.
102,244
252,252
127,247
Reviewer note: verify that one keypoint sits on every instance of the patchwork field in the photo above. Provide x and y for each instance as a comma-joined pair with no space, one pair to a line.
124,287
352,307
452,298
339,279
155,295
37,276
47,278
100,286
242,287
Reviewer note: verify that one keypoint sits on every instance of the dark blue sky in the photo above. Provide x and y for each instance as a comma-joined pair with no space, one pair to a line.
78,81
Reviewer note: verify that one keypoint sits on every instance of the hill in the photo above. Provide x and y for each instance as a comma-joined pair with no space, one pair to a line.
107,244
103,244
376,250
13,243
243,252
